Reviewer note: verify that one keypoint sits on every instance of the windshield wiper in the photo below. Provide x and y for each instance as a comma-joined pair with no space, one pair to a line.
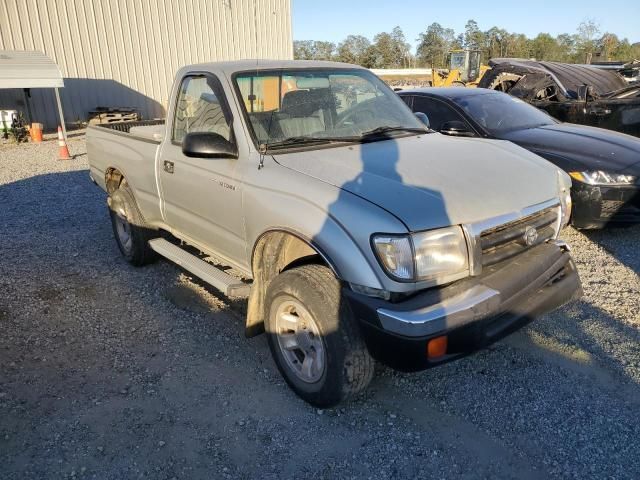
387,129
307,140
304,140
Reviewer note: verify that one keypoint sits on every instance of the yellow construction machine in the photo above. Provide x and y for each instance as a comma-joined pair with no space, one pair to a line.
465,70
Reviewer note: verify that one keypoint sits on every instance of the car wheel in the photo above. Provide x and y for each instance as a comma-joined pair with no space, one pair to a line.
314,337
129,228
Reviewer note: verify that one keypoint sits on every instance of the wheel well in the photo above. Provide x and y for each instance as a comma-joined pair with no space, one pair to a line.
112,179
275,252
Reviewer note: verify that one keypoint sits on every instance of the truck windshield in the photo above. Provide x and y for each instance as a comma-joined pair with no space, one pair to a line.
289,107
500,113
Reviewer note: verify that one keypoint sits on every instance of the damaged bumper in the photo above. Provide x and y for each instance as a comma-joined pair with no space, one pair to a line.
472,313
596,206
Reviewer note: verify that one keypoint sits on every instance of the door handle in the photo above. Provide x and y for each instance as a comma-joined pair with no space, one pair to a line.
168,166
599,111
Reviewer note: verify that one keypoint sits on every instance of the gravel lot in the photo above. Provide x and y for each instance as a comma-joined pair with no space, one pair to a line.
108,371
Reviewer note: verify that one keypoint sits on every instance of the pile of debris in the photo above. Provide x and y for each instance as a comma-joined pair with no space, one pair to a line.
581,94
112,114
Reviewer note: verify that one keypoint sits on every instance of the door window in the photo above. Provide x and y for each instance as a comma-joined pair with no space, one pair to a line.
437,111
201,108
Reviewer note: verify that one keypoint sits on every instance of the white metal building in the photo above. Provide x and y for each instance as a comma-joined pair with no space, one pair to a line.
124,53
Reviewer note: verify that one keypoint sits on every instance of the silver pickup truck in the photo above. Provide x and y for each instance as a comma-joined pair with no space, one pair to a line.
355,231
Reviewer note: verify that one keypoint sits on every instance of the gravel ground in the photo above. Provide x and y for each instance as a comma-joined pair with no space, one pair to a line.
108,371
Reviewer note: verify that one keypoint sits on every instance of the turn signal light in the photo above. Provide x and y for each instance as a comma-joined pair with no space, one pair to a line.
437,347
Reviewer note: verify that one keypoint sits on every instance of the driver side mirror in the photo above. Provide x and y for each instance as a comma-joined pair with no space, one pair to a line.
456,128
423,118
208,145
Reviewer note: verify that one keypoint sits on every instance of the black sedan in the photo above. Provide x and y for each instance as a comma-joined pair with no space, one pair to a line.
604,165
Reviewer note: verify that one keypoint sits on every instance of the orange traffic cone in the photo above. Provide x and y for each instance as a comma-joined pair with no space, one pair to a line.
63,151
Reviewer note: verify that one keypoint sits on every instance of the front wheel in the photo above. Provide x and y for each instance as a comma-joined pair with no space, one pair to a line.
314,338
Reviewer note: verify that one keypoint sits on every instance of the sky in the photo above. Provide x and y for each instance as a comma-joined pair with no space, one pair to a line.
333,20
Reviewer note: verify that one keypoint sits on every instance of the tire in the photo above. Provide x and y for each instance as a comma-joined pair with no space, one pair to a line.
129,228
343,367
504,81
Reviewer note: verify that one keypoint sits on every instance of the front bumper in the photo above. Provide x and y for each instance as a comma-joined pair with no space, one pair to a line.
473,312
596,206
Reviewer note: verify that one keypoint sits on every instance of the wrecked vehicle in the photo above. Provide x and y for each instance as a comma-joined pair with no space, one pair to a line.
630,71
359,233
604,165
571,93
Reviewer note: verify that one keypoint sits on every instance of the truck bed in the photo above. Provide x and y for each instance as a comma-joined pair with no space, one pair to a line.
131,148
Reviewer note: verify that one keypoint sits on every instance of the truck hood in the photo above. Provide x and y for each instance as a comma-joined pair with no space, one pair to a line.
430,181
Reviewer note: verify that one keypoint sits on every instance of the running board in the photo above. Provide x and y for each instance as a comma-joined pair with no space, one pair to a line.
215,277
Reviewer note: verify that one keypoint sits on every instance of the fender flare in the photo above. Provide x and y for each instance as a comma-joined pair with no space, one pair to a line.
274,251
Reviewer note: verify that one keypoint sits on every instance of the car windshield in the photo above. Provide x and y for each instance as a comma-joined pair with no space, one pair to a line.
499,112
313,106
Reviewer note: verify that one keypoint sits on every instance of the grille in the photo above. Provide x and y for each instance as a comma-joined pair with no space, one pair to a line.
507,240
611,207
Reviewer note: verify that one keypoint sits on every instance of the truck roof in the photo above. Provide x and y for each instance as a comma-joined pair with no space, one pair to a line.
230,67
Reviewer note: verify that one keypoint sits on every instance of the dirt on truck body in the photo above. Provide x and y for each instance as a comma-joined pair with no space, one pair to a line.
571,93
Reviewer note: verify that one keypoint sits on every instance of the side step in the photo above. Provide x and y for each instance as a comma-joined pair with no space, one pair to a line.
224,282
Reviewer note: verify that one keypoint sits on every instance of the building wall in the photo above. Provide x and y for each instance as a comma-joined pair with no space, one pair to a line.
125,52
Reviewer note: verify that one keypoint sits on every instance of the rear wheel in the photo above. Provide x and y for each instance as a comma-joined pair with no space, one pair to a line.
129,228
314,338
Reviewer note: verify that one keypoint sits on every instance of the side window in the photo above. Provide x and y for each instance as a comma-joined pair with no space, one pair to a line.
437,111
199,108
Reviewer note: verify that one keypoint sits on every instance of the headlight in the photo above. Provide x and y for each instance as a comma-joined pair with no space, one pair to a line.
603,178
431,255
564,192
440,252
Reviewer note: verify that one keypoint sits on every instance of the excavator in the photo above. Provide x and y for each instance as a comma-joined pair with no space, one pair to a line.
465,70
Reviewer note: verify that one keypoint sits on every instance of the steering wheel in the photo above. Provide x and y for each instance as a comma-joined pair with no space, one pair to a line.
356,115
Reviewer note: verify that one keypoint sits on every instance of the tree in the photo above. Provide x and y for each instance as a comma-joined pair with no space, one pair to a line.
353,49
567,47
313,50
385,52
473,36
625,51
519,46
607,45
303,49
588,31
324,50
391,49
545,47
402,50
434,45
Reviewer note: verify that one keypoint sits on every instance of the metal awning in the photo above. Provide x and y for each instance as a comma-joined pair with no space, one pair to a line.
28,69
31,69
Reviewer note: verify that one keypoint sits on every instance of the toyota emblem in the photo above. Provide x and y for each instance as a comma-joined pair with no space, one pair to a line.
530,235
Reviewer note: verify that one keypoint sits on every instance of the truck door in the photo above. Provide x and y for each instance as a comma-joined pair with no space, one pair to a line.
202,196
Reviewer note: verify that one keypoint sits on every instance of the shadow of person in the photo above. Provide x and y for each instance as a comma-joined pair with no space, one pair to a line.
345,327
